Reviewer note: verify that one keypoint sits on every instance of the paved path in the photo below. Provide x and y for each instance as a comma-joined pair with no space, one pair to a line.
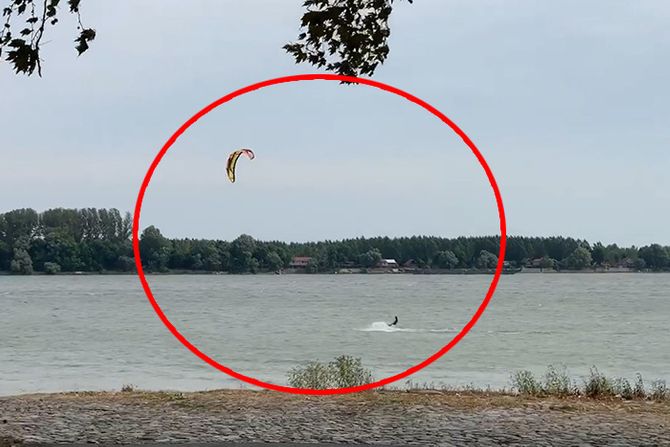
377,418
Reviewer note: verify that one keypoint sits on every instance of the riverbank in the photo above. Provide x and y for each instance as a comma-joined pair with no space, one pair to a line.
422,417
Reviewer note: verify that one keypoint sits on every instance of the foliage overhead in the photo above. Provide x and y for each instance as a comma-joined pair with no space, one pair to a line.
25,22
349,37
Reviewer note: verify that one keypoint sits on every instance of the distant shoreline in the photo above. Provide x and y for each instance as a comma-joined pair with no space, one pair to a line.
426,273
90,240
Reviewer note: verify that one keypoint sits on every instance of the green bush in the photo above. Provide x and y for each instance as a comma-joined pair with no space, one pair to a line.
622,388
597,385
639,392
51,268
557,382
344,371
348,372
314,375
525,383
659,390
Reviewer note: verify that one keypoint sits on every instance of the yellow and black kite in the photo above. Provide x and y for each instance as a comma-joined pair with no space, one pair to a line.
232,161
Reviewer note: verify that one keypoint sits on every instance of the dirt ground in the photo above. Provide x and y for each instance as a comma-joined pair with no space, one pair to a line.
377,417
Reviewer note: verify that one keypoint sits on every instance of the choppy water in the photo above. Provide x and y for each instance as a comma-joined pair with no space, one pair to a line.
100,332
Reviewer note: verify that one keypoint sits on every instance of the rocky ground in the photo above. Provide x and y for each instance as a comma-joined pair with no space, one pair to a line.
380,417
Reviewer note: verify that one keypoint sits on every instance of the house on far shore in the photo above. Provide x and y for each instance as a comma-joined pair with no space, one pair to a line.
410,265
300,261
387,264
625,264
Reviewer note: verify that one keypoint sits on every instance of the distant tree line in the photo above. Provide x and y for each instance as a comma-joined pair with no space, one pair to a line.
98,240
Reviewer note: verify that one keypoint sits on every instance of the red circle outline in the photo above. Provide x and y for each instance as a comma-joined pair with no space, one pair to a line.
323,77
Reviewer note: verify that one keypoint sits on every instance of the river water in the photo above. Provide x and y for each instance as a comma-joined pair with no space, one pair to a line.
61,333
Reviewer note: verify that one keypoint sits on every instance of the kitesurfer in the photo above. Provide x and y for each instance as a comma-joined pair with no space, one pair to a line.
394,322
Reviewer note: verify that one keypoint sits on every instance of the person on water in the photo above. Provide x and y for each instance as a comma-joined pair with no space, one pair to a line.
394,322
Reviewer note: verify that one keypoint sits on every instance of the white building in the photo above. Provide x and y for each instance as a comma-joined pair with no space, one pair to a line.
388,264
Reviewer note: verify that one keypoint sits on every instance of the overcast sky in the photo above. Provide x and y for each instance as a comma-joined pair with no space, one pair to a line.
568,101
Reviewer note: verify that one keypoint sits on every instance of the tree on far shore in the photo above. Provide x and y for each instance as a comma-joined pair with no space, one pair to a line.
446,259
548,263
51,268
370,258
639,264
21,263
155,249
274,261
598,253
655,256
98,240
487,260
241,254
579,259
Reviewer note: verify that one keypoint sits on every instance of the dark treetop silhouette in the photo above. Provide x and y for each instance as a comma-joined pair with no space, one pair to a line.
348,37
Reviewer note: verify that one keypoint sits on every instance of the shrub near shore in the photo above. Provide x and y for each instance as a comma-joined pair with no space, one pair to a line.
557,383
347,371
343,372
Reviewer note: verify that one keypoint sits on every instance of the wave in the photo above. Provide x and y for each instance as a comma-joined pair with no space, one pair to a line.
382,326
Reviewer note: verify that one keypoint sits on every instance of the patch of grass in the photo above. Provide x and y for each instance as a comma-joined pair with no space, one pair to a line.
171,395
557,383
344,371
82,393
639,391
623,388
598,386
128,388
659,390
524,381
411,385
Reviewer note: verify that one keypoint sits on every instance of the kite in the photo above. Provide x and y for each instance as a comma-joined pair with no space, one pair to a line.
232,161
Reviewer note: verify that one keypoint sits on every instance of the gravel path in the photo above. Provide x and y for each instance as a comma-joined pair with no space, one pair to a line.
386,418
